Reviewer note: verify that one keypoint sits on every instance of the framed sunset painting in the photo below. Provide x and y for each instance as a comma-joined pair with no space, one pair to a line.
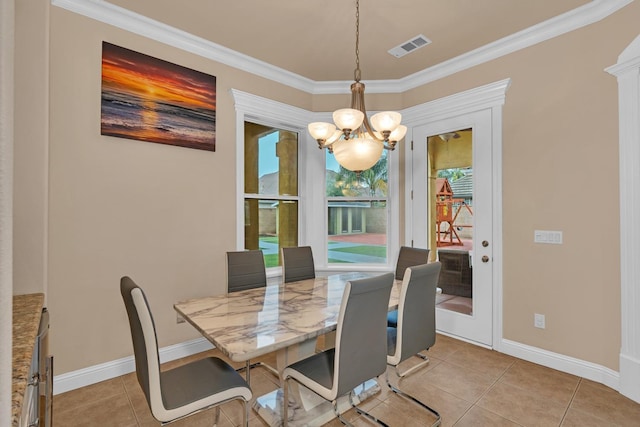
148,99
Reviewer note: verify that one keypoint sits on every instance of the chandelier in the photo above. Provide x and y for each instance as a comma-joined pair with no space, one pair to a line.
355,142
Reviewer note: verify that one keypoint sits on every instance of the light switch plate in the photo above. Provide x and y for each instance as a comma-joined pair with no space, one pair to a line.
547,236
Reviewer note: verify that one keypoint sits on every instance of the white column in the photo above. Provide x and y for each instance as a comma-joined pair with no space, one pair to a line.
7,13
627,70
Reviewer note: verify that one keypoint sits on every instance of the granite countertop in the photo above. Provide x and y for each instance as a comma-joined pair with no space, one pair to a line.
27,310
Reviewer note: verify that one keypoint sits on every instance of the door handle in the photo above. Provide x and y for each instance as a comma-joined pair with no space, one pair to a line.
485,243
485,258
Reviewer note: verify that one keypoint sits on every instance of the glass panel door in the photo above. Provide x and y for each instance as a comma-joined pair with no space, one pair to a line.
452,206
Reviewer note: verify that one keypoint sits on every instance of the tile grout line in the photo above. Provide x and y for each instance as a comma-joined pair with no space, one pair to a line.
133,409
475,404
566,411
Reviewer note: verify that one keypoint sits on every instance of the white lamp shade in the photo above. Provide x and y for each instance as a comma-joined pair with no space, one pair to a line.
333,138
357,154
398,133
348,118
321,131
386,121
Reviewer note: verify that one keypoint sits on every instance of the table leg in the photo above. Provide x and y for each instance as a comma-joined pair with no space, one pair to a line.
305,407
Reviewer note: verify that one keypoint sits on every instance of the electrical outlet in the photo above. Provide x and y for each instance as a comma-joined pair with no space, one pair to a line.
179,319
538,320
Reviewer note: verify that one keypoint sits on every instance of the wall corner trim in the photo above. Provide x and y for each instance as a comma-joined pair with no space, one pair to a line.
627,71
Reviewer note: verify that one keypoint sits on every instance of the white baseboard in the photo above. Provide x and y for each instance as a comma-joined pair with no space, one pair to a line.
105,371
116,368
560,362
630,377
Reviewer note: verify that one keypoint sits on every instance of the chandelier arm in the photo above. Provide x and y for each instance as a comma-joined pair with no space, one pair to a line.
357,103
367,126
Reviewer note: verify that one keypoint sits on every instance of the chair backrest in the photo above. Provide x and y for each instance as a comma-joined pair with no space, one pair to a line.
145,341
245,270
297,264
417,310
361,332
408,257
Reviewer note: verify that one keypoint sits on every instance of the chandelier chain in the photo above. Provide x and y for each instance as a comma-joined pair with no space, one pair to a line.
356,72
355,143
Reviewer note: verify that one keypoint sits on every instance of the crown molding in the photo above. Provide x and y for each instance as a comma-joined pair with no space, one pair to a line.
119,17
108,13
577,18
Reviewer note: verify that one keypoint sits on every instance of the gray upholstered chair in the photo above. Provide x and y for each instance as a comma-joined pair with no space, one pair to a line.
246,270
181,391
361,346
407,257
416,328
297,264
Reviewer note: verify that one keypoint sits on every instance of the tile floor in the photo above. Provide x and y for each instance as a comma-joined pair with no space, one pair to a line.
462,305
468,385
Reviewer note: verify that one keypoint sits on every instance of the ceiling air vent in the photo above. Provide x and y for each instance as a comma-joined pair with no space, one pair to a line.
409,46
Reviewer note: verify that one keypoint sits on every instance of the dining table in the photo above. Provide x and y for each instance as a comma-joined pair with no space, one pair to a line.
285,318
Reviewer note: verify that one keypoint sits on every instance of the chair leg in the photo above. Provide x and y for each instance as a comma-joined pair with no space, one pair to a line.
363,412
217,416
285,403
413,368
245,413
408,396
339,415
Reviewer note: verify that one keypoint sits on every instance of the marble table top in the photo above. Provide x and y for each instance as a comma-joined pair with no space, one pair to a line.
254,322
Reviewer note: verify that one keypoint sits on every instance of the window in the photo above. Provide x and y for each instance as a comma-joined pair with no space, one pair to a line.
270,190
357,213
304,208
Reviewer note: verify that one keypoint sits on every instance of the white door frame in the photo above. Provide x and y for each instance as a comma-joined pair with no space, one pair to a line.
490,97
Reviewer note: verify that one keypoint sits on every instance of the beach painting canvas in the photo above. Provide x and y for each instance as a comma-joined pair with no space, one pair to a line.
149,99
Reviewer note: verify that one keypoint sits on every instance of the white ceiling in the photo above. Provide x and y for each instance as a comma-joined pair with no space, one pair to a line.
315,39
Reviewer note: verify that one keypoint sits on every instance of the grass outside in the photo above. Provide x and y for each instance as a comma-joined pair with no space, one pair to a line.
371,250
269,239
271,260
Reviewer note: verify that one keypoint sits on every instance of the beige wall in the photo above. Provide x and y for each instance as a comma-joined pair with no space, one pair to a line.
30,149
560,172
161,214
164,215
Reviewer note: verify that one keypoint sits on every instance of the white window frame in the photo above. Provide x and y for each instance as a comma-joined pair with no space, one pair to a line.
312,201
255,109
